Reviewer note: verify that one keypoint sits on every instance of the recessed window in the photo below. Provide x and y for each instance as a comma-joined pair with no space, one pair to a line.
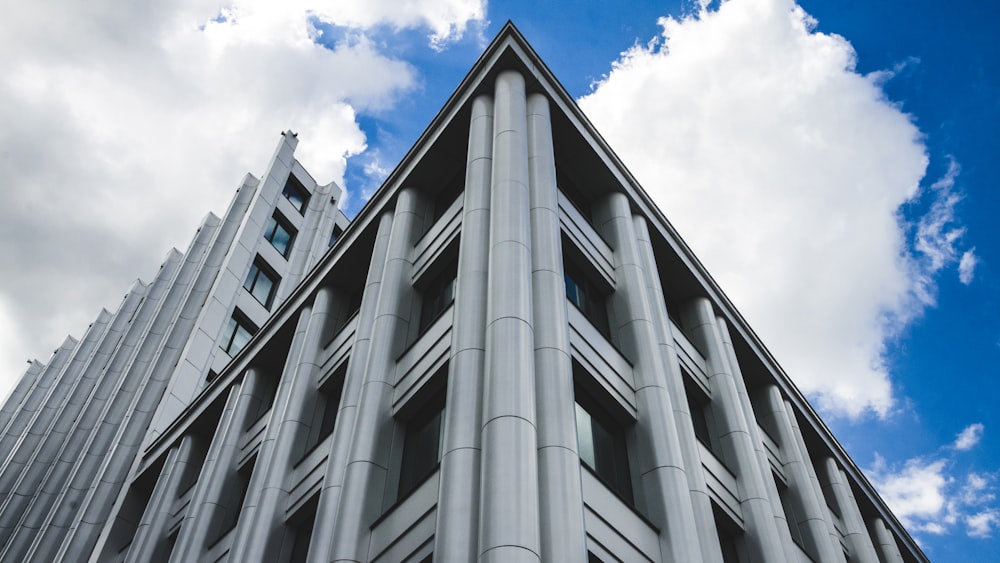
699,406
234,492
602,445
296,193
261,282
791,514
422,445
324,410
279,233
335,234
585,295
729,536
301,527
437,296
238,333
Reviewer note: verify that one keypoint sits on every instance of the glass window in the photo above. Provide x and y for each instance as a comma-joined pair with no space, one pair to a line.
279,233
296,193
261,282
602,446
729,536
227,512
335,234
591,302
238,333
422,446
301,528
439,294
324,412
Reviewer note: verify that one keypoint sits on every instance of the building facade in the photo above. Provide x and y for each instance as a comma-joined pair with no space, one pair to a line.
508,355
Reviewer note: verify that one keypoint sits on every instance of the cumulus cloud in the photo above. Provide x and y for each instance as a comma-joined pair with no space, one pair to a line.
929,494
967,266
124,124
916,492
785,170
969,437
982,524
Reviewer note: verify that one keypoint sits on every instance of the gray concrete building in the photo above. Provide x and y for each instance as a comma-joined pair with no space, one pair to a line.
508,355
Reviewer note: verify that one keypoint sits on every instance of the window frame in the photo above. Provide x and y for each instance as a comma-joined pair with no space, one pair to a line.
414,469
236,322
326,408
587,297
295,190
262,269
611,467
440,292
275,221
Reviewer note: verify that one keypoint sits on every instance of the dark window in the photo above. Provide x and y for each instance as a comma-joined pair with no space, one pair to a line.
450,193
324,413
238,333
699,406
279,233
573,194
791,515
227,512
602,445
335,234
296,193
437,296
591,302
261,282
301,528
422,445
729,536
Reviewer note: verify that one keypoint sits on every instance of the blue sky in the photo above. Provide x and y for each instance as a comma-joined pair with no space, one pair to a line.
830,162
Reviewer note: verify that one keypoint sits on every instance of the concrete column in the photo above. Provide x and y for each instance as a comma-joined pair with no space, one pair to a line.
27,509
74,380
458,502
815,521
154,364
862,548
563,534
37,421
673,381
814,482
764,540
368,463
261,518
887,545
220,461
665,496
343,431
151,532
26,478
753,430
12,404
508,511
37,396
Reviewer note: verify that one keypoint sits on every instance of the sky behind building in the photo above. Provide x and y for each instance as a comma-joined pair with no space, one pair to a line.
831,163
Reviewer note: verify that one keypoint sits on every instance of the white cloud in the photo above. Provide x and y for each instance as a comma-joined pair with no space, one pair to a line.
124,124
930,495
969,437
967,266
916,492
937,235
785,170
982,524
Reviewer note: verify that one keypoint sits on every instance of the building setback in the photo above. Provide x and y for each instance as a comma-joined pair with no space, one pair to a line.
508,355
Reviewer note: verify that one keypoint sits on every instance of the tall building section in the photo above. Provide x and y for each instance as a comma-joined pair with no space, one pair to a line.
72,428
508,355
